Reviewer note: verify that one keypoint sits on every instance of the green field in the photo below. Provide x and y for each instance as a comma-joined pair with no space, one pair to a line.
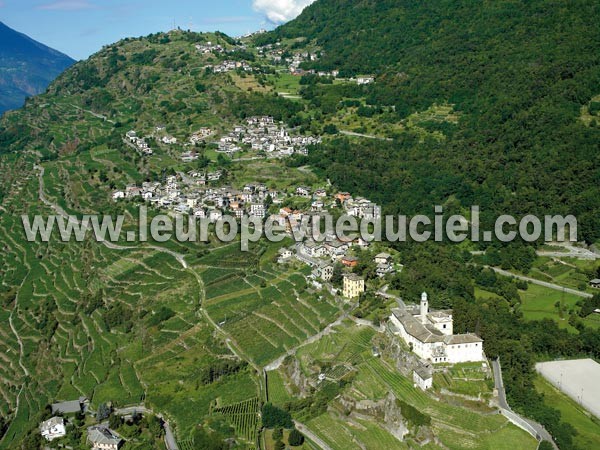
285,82
538,302
569,272
587,426
278,393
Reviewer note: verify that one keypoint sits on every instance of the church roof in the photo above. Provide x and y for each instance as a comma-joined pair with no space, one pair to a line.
416,329
429,334
468,338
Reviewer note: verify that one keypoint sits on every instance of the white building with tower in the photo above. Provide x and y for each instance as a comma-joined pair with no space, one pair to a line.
431,336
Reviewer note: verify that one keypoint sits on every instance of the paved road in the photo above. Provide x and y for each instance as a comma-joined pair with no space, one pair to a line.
534,428
383,293
367,136
499,384
170,440
570,250
312,436
556,287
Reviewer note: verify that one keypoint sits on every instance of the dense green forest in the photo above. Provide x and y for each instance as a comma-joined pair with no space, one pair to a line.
517,72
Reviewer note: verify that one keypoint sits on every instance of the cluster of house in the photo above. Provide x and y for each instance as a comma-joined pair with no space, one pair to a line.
160,135
358,207
277,56
99,437
298,58
209,47
138,142
229,65
195,138
263,134
190,194
321,256
200,135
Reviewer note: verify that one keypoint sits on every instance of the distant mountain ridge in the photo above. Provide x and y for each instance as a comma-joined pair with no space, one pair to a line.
27,67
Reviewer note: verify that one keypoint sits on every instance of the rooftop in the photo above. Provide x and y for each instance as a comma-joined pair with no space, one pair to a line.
429,334
101,434
352,277
50,423
423,372
68,407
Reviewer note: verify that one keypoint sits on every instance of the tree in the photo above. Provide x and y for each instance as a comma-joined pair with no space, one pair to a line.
155,426
277,434
279,445
296,438
336,277
114,421
273,416
104,412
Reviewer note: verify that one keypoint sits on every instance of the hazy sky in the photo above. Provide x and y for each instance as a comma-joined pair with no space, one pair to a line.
81,27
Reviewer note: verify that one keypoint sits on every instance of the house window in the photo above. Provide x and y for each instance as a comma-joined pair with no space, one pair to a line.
444,326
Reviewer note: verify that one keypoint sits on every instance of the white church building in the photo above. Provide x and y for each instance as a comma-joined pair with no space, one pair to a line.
430,335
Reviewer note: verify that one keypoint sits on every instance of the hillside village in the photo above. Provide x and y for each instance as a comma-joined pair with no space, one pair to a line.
272,54
258,134
197,194
305,321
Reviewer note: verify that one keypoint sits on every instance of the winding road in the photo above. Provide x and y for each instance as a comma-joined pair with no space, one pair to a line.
312,436
556,287
532,427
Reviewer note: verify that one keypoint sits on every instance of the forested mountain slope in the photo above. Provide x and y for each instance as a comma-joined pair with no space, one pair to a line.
519,73
26,67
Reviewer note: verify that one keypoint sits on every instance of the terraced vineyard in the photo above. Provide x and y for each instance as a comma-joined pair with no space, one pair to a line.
244,417
79,317
340,434
265,310
81,314
278,393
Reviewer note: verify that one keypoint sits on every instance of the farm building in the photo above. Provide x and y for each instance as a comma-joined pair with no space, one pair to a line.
422,378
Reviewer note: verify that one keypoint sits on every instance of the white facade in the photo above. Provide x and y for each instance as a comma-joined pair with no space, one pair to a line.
422,379
430,335
258,210
53,428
